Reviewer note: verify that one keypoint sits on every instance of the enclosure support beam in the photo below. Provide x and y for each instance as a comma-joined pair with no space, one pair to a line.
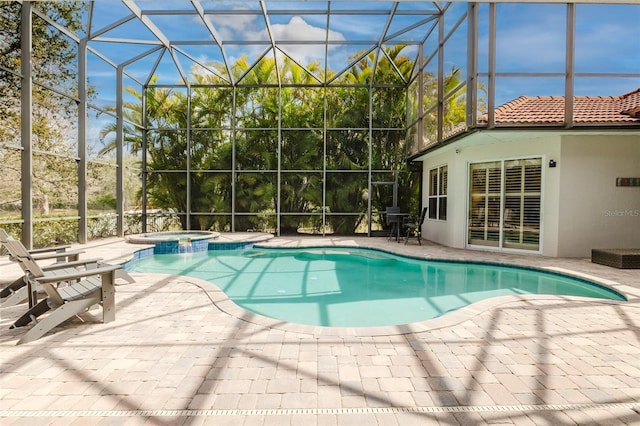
472,65
279,174
491,89
82,141
420,142
569,66
324,165
189,152
234,174
145,170
26,89
120,202
370,137
440,112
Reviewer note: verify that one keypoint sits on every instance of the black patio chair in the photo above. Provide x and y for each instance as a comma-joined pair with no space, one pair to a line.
393,221
415,228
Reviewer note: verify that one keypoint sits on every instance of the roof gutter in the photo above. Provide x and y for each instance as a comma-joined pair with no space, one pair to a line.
559,128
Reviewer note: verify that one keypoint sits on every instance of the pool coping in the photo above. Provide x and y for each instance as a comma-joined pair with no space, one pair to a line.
148,237
219,299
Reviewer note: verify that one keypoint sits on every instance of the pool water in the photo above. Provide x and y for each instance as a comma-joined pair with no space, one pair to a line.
357,287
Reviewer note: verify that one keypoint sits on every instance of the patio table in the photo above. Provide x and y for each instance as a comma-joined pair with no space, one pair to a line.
401,217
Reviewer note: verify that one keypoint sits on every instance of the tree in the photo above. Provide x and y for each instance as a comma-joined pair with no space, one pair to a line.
350,148
301,146
251,137
54,116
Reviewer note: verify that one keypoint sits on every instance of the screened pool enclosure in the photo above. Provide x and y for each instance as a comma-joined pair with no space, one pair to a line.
122,117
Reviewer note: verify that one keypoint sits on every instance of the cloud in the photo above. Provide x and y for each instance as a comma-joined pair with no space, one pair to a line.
235,27
252,27
297,29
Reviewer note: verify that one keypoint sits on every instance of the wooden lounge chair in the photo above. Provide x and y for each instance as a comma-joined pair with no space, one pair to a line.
59,253
16,292
85,288
65,262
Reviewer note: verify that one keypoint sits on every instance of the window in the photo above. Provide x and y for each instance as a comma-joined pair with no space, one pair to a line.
438,193
504,203
522,186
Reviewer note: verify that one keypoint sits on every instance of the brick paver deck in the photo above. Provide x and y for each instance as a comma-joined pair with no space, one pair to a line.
180,353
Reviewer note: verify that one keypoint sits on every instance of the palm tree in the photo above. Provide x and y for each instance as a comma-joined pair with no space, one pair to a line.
251,137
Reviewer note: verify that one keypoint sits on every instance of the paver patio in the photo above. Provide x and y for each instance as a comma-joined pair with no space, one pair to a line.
180,353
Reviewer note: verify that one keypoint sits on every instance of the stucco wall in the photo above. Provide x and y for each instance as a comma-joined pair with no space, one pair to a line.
582,208
490,147
437,230
594,213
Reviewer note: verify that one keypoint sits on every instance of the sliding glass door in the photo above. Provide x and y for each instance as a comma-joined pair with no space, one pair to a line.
504,204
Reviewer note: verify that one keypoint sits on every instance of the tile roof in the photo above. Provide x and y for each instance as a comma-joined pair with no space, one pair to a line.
605,110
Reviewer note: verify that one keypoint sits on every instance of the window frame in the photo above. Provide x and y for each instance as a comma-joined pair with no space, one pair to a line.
501,242
438,202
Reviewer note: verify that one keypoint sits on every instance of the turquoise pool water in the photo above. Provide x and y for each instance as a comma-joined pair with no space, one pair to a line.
357,287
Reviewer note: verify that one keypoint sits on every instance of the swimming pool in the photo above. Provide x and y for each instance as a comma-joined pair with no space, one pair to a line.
358,287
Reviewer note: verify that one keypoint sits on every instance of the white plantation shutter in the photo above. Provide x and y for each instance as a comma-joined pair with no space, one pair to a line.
523,184
484,204
504,204
444,181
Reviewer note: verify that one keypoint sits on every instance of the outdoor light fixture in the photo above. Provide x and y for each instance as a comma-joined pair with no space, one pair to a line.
552,163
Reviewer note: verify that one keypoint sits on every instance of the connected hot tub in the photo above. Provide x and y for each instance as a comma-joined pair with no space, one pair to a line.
175,241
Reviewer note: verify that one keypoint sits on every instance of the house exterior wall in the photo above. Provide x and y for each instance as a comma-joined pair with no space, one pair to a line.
594,212
480,148
437,230
581,206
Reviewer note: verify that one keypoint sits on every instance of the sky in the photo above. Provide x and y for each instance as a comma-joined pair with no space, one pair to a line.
530,38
